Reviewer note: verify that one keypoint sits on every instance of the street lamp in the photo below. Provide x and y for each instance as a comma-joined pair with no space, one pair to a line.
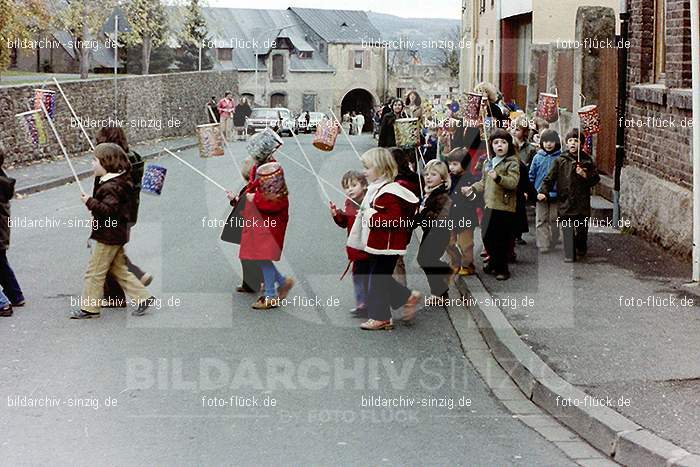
279,29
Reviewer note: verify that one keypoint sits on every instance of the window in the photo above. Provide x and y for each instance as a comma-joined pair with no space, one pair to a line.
278,67
321,47
482,6
359,56
304,54
399,93
224,54
660,41
308,102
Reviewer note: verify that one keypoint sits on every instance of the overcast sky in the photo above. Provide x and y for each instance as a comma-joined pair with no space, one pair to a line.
406,8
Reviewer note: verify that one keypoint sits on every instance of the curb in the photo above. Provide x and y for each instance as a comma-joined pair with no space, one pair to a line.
605,429
56,182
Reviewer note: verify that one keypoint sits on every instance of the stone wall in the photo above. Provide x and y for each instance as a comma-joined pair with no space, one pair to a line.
656,180
147,106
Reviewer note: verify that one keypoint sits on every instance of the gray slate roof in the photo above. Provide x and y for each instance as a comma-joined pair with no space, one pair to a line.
248,25
339,26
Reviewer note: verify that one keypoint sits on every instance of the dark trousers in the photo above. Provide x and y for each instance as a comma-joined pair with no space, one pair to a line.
383,292
360,282
430,252
496,233
112,289
8,281
575,233
252,274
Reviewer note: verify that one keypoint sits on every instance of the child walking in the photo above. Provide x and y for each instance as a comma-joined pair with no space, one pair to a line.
383,229
265,218
432,216
354,184
574,173
498,184
12,293
546,210
110,205
462,213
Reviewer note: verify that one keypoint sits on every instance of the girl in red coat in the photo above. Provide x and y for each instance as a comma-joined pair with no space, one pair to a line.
265,218
383,229
355,185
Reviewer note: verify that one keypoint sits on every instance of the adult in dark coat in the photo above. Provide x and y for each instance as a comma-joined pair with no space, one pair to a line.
387,137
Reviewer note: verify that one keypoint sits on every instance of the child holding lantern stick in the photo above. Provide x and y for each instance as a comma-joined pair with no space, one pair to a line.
110,205
498,184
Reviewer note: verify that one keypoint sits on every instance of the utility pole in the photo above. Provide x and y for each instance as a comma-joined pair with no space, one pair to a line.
695,45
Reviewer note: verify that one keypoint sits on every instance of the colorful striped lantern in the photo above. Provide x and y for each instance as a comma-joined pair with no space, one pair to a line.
33,126
49,98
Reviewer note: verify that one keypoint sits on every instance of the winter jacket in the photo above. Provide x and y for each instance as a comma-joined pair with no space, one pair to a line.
436,207
539,168
110,205
384,225
463,210
387,137
240,114
346,219
573,191
500,194
7,191
527,152
410,180
265,223
136,175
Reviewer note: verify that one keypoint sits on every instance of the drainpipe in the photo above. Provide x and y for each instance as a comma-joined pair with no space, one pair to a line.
695,45
621,109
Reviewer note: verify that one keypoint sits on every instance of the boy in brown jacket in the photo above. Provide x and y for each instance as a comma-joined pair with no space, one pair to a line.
110,206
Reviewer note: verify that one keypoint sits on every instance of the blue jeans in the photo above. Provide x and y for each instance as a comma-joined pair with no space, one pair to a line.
271,276
8,281
4,301
360,282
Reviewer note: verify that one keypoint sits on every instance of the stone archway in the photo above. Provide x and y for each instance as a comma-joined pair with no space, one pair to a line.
359,100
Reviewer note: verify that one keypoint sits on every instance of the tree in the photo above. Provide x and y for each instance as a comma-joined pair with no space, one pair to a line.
148,28
20,19
193,36
450,56
83,20
162,58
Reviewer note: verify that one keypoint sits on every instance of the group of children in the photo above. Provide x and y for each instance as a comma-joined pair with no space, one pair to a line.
458,195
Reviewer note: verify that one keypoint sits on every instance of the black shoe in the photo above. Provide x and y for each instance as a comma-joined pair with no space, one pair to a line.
82,314
503,276
244,288
6,311
141,310
20,303
359,312
488,269
581,253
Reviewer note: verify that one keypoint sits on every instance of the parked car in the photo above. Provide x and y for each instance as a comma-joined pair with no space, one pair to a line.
314,119
261,118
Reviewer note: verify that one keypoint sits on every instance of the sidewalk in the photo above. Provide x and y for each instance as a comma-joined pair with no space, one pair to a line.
51,173
618,324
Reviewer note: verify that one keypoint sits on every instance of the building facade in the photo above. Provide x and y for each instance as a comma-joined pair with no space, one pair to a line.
656,179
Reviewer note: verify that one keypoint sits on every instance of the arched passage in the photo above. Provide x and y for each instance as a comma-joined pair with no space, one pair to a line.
361,101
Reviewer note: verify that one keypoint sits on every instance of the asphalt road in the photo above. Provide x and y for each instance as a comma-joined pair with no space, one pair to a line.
170,388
